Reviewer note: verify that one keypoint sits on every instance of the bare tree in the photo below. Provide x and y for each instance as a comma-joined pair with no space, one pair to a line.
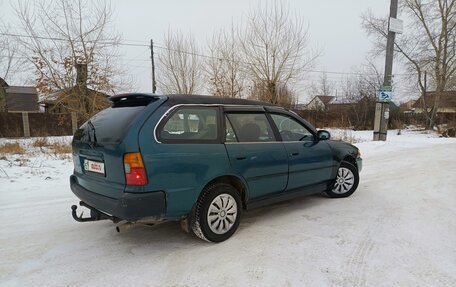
428,45
284,96
225,69
322,86
63,35
275,46
180,67
360,93
10,60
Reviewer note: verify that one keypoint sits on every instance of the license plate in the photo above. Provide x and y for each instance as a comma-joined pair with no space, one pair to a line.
94,166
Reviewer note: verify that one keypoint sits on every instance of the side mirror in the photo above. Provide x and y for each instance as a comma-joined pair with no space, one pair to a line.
323,135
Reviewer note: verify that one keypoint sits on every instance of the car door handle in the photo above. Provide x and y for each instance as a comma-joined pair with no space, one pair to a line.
295,153
241,157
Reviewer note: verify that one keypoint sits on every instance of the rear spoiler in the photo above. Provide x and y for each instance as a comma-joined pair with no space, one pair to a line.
135,97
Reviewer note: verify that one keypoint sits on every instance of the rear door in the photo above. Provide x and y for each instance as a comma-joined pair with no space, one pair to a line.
99,145
254,152
310,160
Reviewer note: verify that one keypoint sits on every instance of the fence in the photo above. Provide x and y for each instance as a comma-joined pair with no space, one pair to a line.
37,124
359,120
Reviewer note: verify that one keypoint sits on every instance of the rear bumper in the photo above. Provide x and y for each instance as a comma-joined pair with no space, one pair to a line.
131,206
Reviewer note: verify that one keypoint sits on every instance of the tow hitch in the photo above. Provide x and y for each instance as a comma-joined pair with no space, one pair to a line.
121,225
95,214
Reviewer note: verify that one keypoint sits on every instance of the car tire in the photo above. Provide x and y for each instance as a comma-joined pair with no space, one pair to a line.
217,213
345,183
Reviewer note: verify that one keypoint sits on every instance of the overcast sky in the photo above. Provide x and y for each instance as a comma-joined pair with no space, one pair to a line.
334,27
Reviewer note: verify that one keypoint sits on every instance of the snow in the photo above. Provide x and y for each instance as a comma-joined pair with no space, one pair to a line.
397,229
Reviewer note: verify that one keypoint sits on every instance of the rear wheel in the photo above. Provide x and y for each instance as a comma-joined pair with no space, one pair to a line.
346,181
217,213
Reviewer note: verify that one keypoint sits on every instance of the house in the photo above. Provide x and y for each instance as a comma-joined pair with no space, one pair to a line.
69,100
16,99
447,105
407,107
21,99
347,105
319,103
79,98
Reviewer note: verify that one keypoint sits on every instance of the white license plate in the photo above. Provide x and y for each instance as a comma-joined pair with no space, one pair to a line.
94,166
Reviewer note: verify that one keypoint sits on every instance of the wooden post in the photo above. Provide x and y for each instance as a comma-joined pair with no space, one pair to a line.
154,85
26,124
74,122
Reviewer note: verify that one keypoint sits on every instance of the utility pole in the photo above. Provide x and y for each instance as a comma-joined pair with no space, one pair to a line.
154,86
425,109
382,105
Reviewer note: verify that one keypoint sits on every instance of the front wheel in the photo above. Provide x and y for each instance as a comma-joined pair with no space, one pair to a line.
346,181
217,213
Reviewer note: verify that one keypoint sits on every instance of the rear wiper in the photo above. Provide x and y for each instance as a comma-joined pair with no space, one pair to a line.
94,134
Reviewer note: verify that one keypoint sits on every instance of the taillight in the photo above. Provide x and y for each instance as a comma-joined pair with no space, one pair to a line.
135,172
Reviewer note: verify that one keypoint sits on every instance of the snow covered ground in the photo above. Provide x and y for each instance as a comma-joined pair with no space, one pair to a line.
398,229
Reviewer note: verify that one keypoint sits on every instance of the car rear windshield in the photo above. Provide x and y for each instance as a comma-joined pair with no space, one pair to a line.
109,125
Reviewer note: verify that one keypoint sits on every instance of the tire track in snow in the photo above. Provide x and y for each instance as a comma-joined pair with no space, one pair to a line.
356,265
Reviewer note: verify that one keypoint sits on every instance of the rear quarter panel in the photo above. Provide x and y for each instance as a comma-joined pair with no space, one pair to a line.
180,170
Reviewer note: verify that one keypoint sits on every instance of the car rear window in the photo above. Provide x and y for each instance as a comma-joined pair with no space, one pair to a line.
109,125
190,125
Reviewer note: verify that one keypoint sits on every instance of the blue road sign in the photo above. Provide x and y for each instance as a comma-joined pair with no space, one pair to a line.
384,96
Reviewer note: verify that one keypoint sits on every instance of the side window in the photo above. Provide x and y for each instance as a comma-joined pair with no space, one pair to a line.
290,129
251,127
229,132
190,124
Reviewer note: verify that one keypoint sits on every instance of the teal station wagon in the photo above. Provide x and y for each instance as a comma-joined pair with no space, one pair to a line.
201,160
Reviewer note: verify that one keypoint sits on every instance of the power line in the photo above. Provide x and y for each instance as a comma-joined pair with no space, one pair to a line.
195,54
112,43
163,47
23,57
